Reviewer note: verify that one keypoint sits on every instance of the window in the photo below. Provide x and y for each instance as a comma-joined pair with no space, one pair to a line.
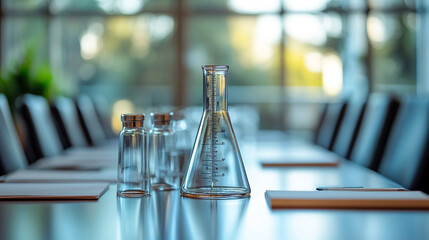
286,56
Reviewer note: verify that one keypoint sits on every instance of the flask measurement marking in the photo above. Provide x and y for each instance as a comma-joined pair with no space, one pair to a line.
216,144
212,129
211,151
216,160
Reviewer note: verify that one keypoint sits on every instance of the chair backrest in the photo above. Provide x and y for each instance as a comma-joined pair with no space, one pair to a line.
93,130
39,127
12,155
330,124
67,120
349,128
406,157
318,127
379,114
104,113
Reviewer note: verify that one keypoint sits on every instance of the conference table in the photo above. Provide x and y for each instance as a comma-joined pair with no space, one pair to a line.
167,215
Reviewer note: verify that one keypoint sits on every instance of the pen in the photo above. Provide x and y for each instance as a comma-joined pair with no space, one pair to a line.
358,189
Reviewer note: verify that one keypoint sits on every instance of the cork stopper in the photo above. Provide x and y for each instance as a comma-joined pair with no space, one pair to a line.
161,119
130,120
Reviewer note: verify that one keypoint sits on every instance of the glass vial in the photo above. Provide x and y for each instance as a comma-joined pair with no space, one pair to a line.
183,141
216,169
162,153
133,164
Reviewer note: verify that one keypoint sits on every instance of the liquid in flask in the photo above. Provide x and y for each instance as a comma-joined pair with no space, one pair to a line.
216,168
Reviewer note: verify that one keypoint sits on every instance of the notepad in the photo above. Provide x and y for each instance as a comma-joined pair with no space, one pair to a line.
302,159
52,191
61,176
347,199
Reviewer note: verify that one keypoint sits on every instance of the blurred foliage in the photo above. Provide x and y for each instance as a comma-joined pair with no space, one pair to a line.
230,41
298,74
394,61
27,77
128,52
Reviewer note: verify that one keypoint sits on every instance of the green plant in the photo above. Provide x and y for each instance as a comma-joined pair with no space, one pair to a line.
28,77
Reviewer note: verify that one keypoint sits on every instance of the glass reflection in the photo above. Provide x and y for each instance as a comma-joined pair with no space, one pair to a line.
165,207
211,219
152,217
135,218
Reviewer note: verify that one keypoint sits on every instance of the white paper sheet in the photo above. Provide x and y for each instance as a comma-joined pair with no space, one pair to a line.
62,176
348,199
55,191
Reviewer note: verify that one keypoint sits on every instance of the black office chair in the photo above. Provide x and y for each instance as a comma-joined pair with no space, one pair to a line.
91,125
40,129
407,152
104,113
67,121
331,124
376,124
320,121
12,155
349,128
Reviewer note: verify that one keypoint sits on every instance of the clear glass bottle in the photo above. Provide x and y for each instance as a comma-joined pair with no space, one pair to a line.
216,169
183,141
162,153
133,164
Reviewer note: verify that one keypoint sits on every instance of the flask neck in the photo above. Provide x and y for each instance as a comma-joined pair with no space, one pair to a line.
215,88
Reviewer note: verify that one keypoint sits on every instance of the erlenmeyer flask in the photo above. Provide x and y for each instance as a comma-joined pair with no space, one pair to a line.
216,168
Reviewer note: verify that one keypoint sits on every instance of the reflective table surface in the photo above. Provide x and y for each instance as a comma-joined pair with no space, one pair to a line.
167,215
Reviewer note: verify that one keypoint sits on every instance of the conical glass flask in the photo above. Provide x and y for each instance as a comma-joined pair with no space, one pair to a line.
216,168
